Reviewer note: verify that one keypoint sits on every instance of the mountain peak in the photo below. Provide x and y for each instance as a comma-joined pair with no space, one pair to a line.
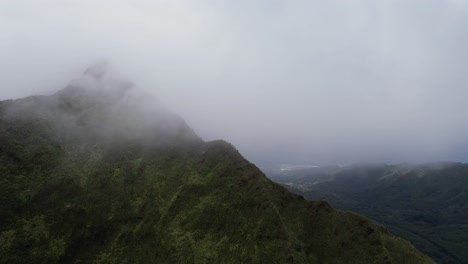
102,77
98,70
103,107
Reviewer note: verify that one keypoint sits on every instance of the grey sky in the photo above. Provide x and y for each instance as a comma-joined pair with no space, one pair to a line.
285,81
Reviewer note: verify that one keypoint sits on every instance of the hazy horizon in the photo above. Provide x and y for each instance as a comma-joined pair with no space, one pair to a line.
298,82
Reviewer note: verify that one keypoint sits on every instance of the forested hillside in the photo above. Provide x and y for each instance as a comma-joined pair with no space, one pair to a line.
426,204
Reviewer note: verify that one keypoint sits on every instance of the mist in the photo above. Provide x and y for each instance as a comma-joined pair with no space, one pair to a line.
284,81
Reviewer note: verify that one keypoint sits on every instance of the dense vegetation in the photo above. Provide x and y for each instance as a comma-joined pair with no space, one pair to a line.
85,179
426,204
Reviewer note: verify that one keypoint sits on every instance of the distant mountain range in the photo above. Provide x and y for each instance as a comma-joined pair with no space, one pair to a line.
426,204
98,173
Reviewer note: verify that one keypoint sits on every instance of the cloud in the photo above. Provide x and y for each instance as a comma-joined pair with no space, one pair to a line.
284,81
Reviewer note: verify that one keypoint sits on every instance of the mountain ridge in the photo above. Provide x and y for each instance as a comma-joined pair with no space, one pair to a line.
100,186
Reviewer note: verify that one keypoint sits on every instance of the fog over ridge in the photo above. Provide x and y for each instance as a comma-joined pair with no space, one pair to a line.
284,81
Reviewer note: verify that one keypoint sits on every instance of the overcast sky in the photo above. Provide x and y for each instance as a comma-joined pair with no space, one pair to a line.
285,81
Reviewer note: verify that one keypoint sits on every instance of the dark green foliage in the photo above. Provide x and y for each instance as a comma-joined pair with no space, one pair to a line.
426,204
69,198
30,241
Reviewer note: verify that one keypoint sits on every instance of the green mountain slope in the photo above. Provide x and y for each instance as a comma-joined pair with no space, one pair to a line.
104,176
426,204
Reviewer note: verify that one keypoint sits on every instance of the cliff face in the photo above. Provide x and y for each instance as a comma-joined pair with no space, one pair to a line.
107,176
